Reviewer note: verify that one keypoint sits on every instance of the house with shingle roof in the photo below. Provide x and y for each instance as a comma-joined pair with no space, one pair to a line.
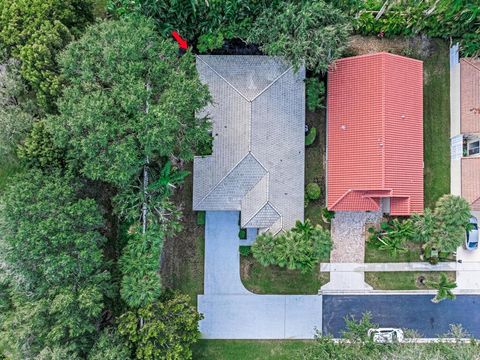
258,129
375,134
465,128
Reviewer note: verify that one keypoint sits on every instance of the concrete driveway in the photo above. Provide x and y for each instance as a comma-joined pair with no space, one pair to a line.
231,311
222,258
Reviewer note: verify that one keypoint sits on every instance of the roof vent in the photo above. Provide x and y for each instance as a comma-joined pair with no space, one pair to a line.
343,127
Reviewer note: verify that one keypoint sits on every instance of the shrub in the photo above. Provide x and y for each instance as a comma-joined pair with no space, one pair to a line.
245,250
313,191
315,90
242,234
328,215
201,218
263,249
300,248
310,138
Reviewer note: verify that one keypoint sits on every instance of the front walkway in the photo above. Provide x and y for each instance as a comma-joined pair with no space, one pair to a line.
348,236
231,311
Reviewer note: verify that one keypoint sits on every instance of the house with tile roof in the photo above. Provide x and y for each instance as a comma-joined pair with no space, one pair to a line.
465,128
375,134
258,129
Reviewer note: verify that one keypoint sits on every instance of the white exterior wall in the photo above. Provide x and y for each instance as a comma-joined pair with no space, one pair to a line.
456,137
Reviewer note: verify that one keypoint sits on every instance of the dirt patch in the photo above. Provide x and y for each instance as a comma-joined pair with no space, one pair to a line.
246,264
418,47
182,258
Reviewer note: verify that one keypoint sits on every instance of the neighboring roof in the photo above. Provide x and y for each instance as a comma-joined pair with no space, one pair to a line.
470,95
471,181
375,134
257,164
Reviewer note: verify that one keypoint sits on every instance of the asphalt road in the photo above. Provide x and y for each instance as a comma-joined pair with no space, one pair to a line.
415,312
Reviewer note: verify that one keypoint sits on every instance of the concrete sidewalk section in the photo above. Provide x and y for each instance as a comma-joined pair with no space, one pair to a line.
260,316
394,267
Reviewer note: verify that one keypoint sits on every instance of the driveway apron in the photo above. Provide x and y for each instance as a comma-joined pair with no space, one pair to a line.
231,311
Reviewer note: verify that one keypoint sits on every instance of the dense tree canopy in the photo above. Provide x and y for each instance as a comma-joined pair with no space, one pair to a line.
51,250
162,330
128,97
203,23
308,31
17,110
35,31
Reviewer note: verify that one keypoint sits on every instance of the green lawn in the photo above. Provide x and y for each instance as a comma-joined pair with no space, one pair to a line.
405,280
189,279
374,255
436,123
248,350
276,280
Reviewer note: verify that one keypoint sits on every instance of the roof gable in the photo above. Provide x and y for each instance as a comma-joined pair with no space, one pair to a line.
375,132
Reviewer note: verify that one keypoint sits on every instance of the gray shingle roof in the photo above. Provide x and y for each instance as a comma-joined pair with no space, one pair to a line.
257,165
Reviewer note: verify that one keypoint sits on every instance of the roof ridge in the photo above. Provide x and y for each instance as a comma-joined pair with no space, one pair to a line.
471,64
238,91
271,84
260,209
384,96
221,77
223,178
340,198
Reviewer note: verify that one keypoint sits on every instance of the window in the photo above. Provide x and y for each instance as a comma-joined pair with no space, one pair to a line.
474,147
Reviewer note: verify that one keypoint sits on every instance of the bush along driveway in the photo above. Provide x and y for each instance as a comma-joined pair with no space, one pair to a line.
231,311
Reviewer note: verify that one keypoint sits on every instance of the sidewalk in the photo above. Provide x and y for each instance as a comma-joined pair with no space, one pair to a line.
411,266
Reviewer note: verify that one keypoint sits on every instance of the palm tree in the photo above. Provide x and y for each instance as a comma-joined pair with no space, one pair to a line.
394,245
305,228
444,289
168,179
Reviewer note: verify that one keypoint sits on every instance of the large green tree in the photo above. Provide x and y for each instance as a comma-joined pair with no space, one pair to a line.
307,31
165,329
128,108
35,31
129,100
51,252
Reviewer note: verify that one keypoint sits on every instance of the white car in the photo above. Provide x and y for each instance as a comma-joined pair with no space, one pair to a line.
386,335
471,240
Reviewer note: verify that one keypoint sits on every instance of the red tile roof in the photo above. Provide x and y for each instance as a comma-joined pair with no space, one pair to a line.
375,134
470,95
471,181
